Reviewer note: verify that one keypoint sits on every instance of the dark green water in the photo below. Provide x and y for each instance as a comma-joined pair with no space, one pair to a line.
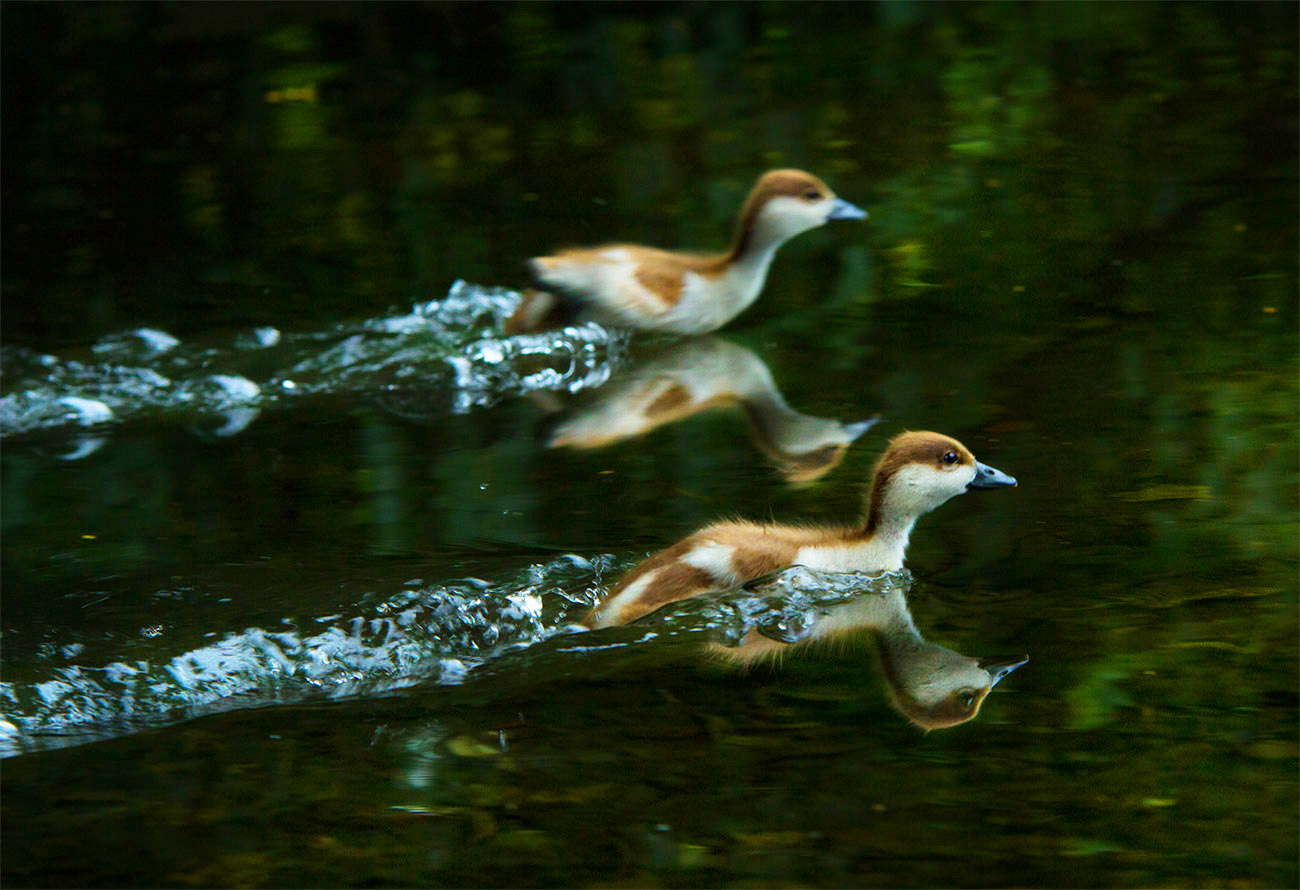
309,633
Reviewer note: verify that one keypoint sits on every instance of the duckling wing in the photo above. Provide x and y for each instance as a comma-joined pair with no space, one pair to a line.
622,284
713,559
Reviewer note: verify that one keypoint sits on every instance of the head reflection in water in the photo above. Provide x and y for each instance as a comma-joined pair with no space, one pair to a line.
697,376
932,686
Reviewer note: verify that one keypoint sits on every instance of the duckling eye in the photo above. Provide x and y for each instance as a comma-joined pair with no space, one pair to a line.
951,458
812,195
967,699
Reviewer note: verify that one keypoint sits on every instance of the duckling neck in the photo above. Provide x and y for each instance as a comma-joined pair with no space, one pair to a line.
768,410
889,518
903,659
756,241
889,534
746,271
747,260
899,637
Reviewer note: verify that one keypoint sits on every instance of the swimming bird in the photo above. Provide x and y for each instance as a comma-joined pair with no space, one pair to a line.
918,472
932,686
644,288
698,375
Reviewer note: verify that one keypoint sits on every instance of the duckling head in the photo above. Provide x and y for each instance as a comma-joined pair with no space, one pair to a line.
784,203
920,471
935,687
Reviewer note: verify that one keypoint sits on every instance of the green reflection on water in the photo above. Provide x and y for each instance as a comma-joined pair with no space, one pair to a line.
1081,259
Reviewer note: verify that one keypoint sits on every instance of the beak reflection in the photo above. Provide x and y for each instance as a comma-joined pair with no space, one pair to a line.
1000,667
931,685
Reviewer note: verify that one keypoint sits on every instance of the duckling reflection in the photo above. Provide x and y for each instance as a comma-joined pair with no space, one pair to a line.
699,375
932,686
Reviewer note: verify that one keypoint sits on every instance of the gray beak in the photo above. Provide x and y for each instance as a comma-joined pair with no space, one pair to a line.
1000,667
988,477
853,430
842,209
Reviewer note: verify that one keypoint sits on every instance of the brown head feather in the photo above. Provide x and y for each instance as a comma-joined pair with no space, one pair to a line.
772,184
922,447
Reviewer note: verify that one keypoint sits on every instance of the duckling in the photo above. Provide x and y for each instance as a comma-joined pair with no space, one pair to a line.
629,286
918,472
695,376
932,686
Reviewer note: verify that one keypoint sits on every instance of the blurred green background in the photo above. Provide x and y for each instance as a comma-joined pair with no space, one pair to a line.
1081,260
192,163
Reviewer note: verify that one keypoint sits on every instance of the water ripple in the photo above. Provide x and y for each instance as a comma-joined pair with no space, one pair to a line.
453,346
422,634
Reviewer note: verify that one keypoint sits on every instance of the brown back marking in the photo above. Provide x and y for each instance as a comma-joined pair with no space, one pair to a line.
758,549
750,561
675,580
922,447
662,272
772,184
672,398
667,263
665,282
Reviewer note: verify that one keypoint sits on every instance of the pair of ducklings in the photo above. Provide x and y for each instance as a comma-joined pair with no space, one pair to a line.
647,289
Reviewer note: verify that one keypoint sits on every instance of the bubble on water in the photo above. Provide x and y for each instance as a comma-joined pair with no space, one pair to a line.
86,412
81,447
236,389
258,338
234,421
217,391
140,343
157,341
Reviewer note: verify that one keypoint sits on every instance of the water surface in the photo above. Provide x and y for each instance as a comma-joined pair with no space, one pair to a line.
294,537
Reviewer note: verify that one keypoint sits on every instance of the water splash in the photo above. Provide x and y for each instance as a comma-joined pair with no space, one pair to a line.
434,633
421,634
451,347
782,606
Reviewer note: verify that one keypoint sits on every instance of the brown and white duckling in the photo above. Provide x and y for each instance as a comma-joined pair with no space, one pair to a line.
698,375
629,286
918,472
932,686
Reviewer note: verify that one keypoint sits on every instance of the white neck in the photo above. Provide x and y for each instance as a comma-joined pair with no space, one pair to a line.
881,551
748,273
891,537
